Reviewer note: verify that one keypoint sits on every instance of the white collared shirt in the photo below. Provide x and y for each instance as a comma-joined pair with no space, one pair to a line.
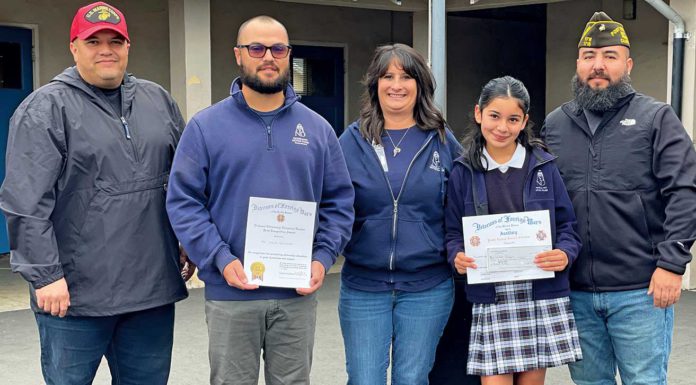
517,160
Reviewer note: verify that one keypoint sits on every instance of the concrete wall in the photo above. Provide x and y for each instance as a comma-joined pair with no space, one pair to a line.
482,49
361,30
648,36
148,28
687,10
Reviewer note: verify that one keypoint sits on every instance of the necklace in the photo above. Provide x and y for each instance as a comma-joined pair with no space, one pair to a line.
397,149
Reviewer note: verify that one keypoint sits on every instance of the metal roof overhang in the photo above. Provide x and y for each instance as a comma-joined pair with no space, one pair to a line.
421,5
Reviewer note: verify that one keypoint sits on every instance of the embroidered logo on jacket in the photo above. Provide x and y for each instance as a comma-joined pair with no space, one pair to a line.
628,122
541,182
435,162
300,135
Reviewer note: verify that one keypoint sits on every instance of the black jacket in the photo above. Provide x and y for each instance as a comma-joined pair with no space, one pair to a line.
633,187
84,195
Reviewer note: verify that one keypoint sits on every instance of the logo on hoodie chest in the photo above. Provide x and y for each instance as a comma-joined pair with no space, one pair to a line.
300,137
541,182
435,162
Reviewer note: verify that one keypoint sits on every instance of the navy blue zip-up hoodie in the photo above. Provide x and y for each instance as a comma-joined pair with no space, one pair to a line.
226,155
466,196
398,237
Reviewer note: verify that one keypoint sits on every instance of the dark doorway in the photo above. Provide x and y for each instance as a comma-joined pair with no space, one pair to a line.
16,83
489,43
317,76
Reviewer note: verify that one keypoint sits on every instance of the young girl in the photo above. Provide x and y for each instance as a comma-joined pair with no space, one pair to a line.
518,328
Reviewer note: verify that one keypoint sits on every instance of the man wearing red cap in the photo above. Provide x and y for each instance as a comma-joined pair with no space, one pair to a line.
88,161
630,169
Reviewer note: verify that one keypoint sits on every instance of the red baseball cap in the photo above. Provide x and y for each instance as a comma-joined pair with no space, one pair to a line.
96,17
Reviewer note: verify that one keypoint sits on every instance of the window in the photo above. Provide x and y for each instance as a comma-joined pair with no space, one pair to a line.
313,77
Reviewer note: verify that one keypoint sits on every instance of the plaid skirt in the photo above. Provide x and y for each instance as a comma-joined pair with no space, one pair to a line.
518,334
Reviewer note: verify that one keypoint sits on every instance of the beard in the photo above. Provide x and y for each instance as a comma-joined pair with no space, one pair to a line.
251,79
602,99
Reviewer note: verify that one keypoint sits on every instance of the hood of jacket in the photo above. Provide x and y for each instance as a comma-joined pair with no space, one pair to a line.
71,77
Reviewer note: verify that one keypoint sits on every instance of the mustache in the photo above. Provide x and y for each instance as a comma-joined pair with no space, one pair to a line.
267,65
598,75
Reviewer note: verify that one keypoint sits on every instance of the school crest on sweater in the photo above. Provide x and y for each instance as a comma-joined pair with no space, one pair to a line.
541,182
300,136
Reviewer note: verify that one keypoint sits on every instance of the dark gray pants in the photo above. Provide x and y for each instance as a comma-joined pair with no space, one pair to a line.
238,331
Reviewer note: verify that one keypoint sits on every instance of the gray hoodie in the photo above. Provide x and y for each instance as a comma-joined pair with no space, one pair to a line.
84,195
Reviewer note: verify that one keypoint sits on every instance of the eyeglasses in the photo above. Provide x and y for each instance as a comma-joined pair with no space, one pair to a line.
256,50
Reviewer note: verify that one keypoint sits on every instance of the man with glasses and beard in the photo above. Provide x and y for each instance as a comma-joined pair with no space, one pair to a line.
259,142
630,169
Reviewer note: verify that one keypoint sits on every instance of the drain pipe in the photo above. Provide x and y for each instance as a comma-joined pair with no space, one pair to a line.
680,36
438,50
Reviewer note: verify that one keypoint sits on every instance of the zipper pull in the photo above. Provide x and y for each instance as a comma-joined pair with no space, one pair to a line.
396,210
125,128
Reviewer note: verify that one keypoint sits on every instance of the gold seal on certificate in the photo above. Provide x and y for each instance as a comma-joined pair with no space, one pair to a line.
504,245
278,244
257,269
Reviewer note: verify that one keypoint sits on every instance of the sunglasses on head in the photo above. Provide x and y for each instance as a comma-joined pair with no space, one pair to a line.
257,50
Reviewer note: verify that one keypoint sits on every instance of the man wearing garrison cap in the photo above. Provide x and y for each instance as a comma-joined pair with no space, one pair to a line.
630,169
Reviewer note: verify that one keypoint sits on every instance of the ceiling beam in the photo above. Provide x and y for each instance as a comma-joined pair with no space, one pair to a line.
421,5
386,5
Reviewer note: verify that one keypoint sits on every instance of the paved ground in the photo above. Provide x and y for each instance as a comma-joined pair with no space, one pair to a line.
19,347
13,290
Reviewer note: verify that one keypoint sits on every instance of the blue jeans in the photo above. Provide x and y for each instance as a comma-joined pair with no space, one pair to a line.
411,323
623,330
137,346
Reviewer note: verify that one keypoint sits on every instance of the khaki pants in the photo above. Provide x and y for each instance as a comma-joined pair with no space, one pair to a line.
238,331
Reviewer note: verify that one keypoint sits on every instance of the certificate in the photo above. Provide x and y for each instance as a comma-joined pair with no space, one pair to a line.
504,246
278,244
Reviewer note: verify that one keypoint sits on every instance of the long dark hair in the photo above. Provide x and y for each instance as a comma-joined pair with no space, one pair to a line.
426,115
504,87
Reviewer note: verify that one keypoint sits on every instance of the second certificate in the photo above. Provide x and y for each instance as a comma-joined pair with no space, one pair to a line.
504,246
278,245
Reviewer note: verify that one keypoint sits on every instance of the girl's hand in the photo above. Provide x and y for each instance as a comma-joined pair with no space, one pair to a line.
552,260
461,262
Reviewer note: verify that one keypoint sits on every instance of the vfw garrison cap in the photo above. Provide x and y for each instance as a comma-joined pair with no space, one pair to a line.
602,31
96,17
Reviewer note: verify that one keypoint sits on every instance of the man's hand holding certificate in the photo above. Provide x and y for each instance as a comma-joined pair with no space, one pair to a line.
508,247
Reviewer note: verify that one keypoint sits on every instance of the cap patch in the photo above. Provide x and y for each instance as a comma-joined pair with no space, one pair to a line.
602,31
102,14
